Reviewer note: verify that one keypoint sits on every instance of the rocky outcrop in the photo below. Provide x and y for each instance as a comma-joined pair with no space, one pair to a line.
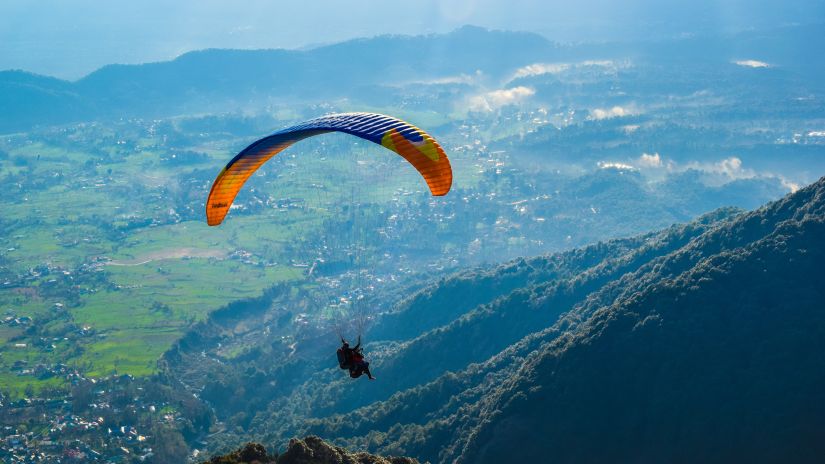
310,450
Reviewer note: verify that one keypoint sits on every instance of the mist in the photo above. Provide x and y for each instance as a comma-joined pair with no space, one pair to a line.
69,39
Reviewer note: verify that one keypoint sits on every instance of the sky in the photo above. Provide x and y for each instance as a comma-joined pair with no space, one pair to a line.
70,38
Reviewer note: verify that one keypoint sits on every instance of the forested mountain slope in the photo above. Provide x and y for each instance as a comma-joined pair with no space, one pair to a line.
491,326
701,342
720,362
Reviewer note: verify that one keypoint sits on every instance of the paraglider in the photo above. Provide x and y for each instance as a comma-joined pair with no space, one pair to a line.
413,144
352,359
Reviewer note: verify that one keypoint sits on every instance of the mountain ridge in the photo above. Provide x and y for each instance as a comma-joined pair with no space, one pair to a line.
794,230
227,80
221,80
475,413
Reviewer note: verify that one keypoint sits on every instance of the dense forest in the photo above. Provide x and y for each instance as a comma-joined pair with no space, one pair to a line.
698,342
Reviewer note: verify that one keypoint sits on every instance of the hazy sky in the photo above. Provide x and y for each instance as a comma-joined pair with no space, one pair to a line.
69,38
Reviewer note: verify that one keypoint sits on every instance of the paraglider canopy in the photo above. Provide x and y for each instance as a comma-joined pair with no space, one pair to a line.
410,142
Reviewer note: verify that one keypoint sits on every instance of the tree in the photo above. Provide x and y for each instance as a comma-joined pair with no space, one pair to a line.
169,445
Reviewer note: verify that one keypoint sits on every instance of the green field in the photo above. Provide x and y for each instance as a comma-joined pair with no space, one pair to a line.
105,247
106,297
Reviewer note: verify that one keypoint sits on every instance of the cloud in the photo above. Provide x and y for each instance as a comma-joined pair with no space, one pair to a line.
537,69
615,112
645,162
650,161
598,63
615,165
498,98
716,173
725,170
457,79
732,167
752,64
791,186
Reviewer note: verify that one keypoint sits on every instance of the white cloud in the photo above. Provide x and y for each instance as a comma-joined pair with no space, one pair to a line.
537,69
791,186
615,112
457,79
598,63
647,162
498,98
752,63
650,161
615,165
540,68
732,168
723,171
716,173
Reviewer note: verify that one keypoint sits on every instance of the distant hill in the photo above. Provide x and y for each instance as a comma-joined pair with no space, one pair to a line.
698,343
363,70
29,100
224,80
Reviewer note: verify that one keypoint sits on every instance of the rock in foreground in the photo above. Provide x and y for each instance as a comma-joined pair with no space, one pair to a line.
311,450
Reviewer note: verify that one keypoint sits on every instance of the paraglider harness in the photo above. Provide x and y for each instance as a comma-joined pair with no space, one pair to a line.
351,358
358,365
344,357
